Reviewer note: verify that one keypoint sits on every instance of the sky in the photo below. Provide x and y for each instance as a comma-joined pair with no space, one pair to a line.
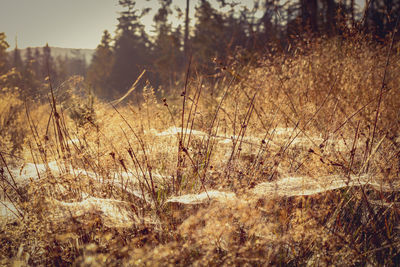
61,23
66,23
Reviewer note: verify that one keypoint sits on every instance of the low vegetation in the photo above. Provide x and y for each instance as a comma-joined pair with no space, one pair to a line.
292,160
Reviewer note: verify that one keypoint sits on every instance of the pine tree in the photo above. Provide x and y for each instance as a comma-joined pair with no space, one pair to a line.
3,53
309,13
166,53
17,59
62,63
131,49
382,17
98,74
77,64
216,35
36,65
31,82
28,56
208,40
10,79
48,66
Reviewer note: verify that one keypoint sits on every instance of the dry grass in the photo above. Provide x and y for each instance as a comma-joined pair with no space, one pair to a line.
294,161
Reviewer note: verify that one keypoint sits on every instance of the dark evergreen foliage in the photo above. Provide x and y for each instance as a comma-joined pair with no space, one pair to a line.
3,54
381,18
99,71
220,30
17,59
131,49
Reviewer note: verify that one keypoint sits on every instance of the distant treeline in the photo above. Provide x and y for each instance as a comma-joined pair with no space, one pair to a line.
223,32
28,75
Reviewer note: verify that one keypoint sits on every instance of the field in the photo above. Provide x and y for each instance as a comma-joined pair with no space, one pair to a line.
291,160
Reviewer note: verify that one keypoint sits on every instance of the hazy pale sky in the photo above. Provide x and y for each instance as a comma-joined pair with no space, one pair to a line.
66,23
61,23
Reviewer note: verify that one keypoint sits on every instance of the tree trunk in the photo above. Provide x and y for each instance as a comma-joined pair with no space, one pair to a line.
309,12
186,45
352,12
330,16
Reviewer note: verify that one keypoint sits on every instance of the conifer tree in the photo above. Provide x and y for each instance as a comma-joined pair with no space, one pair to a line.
131,49
17,59
98,74
10,79
167,53
3,53
28,56
207,41
62,63
381,18
48,65
77,64
309,15
31,82
37,63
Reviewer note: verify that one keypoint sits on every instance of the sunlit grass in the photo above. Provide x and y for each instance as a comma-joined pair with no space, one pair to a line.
289,162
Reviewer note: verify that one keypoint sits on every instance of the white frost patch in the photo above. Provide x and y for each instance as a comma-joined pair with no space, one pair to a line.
151,131
74,141
32,171
304,186
127,181
113,213
8,212
202,197
178,130
282,130
246,139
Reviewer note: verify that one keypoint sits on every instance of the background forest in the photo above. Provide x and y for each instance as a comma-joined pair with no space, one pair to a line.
223,32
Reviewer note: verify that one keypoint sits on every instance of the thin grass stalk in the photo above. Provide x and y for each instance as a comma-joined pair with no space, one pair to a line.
169,111
240,136
291,140
13,185
383,85
184,94
210,134
119,100
261,110
181,158
48,121
195,103
288,96
35,134
197,172
208,153
136,162
52,120
315,114
59,134
20,215
348,119
353,151
246,124
149,168
65,132
34,160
